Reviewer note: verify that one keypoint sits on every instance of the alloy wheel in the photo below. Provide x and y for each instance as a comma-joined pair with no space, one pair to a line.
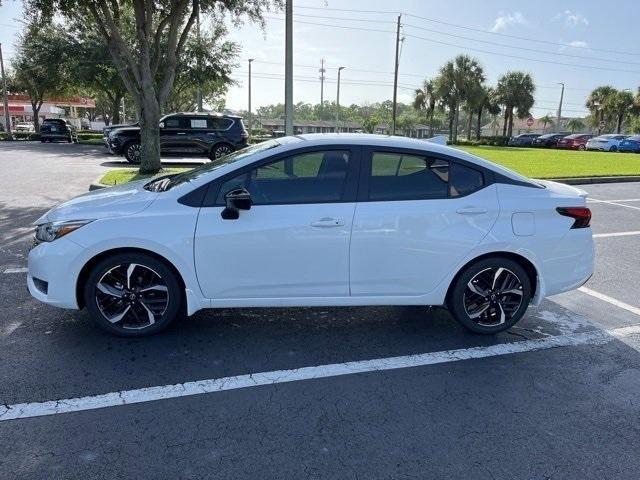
493,296
132,296
221,151
133,152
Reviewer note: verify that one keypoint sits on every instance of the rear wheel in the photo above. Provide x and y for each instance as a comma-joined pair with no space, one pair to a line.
581,147
132,294
132,152
490,295
613,148
220,150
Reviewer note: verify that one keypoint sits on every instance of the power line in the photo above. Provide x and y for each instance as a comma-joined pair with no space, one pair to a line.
466,27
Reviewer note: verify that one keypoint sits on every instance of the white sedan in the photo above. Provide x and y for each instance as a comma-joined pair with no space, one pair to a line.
316,220
605,143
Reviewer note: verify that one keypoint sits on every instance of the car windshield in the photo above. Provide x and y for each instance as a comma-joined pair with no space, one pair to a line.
166,182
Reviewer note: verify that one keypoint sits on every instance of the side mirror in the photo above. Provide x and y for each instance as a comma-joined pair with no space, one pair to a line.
236,200
161,125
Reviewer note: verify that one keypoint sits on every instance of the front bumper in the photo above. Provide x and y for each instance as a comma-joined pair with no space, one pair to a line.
57,265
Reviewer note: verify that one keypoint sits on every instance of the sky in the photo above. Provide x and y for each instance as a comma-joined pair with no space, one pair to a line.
582,43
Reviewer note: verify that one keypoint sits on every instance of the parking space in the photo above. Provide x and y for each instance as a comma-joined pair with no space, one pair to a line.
384,392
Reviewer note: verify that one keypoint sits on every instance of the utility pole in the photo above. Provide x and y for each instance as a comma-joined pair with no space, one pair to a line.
199,65
395,78
322,72
7,118
559,108
338,101
288,69
250,60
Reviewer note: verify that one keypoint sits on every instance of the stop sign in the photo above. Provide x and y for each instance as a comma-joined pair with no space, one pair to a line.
529,121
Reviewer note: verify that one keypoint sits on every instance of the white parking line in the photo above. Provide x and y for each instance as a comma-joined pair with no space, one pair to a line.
616,234
16,270
611,300
608,202
150,394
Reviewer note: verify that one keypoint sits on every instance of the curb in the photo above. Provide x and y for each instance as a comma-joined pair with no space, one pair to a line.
590,180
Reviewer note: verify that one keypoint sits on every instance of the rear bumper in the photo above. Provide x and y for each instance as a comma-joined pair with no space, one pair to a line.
571,264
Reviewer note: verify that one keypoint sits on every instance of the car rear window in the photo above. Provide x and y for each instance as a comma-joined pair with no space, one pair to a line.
219,123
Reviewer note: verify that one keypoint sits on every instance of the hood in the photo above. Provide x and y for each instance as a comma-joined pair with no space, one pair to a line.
121,200
563,189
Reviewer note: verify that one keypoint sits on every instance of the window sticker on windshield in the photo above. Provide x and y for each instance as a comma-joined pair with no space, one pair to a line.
198,123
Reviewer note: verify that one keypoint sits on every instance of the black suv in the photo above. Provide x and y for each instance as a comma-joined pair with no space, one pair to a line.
57,129
197,134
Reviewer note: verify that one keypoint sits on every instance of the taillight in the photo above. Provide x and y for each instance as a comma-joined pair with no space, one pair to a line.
581,215
244,135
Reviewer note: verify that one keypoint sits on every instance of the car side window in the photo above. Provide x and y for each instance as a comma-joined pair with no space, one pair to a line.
396,176
316,177
214,123
172,122
198,123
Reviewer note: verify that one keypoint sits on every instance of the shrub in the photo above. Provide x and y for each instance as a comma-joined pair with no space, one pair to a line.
84,135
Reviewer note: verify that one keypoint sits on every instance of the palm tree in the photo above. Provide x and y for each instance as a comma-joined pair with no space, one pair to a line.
575,124
599,104
546,120
426,99
455,82
490,104
621,104
515,91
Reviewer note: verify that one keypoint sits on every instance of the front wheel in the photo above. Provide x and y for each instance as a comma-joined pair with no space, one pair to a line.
132,152
490,295
613,149
132,294
581,148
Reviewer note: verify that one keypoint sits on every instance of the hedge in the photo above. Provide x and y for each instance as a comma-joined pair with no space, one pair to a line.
89,136
21,136
495,141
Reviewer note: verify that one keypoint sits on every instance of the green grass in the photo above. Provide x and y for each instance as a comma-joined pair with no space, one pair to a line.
124,175
90,141
552,163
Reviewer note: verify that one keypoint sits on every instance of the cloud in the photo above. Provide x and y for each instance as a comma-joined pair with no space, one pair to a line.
571,19
505,20
577,44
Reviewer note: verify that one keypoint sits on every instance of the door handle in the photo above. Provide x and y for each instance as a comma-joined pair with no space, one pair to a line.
471,211
181,133
328,223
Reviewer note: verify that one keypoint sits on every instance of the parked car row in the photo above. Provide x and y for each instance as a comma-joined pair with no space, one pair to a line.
194,134
579,141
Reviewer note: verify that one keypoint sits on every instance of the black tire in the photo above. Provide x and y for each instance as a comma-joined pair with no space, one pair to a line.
491,320
581,148
70,139
114,296
220,150
613,149
132,152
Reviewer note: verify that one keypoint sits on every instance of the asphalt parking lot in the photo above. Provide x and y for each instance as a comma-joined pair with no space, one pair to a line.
393,392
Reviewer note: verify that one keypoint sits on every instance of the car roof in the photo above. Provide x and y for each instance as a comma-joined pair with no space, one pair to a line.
203,114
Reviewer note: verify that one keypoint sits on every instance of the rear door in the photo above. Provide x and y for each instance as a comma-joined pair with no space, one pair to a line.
416,219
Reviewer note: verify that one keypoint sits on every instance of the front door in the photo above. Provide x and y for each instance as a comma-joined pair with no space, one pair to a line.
294,241
174,135
416,220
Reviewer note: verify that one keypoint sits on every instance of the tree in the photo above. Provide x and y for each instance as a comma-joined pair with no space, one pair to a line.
426,98
407,122
515,91
546,120
39,64
207,63
599,104
621,103
575,124
148,62
488,102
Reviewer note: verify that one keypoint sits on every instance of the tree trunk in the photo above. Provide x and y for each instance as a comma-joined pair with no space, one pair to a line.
36,116
451,116
619,123
506,120
456,120
469,124
510,130
478,124
149,135
431,124
115,108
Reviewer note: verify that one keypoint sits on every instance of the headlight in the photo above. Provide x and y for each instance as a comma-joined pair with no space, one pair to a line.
48,232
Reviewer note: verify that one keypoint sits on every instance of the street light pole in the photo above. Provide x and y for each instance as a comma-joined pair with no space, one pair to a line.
288,69
250,119
7,118
338,101
560,108
395,79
